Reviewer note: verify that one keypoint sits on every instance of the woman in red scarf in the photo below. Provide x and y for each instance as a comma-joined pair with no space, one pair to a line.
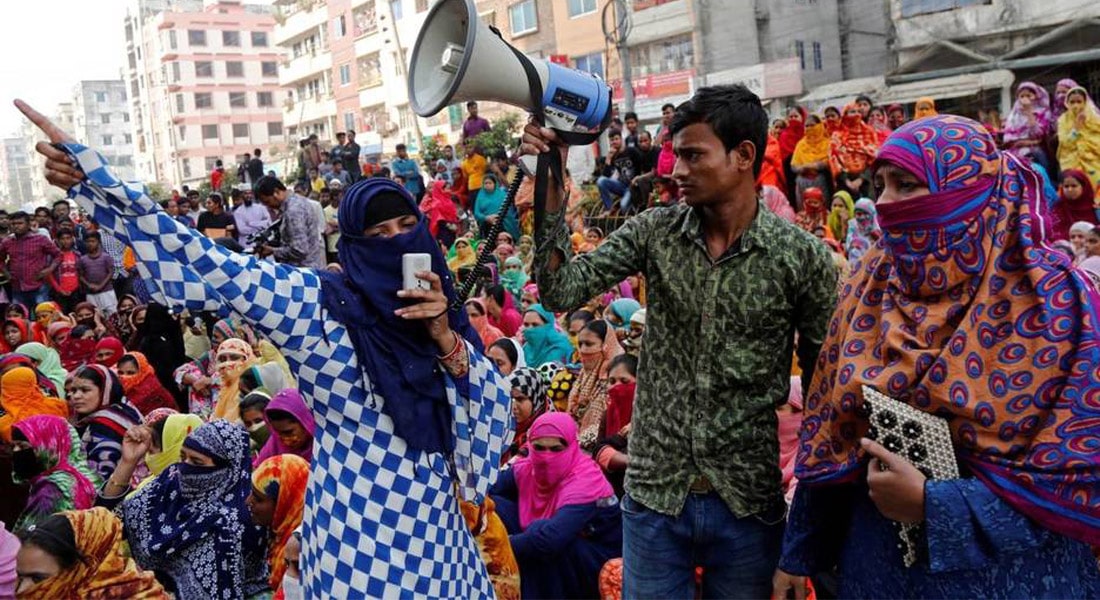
140,383
793,132
108,351
1075,203
814,214
854,146
441,213
479,318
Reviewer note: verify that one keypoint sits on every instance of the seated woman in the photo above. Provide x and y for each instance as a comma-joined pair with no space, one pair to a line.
158,446
543,343
597,346
48,363
22,398
108,351
529,402
962,312
101,415
290,427
268,378
191,523
277,501
47,455
611,453
561,513
141,385
252,417
479,319
234,357
79,554
507,355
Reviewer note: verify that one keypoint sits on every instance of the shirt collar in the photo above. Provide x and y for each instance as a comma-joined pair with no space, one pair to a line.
691,228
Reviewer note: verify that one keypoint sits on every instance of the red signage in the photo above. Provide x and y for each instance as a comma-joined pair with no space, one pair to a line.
660,85
560,59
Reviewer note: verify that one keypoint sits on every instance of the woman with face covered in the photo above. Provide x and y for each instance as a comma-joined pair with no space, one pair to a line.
1079,136
48,455
561,513
119,323
199,376
290,427
597,346
101,415
962,311
276,503
1028,124
48,362
192,523
140,384
234,357
852,149
22,398
396,379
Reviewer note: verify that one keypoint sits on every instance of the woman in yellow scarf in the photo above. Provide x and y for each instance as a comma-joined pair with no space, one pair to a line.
926,107
810,161
841,211
1079,135
463,255
233,358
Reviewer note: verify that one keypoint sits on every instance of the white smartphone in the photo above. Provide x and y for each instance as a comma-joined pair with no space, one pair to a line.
411,264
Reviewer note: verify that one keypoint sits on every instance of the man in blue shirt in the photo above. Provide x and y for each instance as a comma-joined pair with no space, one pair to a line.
407,168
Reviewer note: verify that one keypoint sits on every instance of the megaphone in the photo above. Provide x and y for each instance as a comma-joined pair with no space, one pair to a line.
457,58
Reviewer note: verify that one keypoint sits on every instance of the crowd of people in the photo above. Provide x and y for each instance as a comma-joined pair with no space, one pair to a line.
671,409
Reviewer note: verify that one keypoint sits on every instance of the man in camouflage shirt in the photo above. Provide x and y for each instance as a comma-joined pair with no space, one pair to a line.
728,284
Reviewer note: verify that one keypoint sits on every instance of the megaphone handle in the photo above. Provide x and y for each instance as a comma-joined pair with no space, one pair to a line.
486,251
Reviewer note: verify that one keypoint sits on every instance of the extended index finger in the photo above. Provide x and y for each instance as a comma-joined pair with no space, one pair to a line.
877,450
53,132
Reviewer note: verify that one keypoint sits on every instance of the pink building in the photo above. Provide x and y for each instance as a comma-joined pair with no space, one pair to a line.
204,82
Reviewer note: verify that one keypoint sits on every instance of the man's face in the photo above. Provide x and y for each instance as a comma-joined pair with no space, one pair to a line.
61,211
645,142
351,136
337,167
616,142
65,240
704,170
92,244
448,152
631,125
473,111
193,201
5,221
43,218
20,226
172,208
666,115
402,153
275,200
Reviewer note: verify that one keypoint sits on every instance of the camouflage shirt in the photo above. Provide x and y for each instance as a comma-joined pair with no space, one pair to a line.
716,360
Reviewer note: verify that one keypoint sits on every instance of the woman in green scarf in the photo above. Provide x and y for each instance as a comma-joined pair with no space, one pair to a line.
488,203
48,363
513,278
543,343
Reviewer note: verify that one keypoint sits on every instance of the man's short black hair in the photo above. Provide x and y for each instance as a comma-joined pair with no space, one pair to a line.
17,215
668,105
59,202
216,198
631,115
235,193
733,112
341,134
614,133
94,235
62,232
256,152
192,194
400,147
218,163
267,186
471,104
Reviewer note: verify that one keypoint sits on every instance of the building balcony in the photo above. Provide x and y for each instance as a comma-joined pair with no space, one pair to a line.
316,108
306,66
658,20
295,24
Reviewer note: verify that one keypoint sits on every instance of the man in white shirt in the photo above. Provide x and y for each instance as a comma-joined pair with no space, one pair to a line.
251,217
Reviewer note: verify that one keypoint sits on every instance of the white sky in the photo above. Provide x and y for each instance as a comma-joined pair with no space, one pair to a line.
47,46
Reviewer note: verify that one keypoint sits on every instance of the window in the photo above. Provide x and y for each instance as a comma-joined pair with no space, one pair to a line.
210,162
204,68
100,96
234,68
664,56
259,39
405,117
274,128
203,100
105,118
183,133
339,27
237,100
125,161
269,69
172,39
592,63
421,5
817,56
581,7
800,50
196,37
106,140
179,103
370,70
209,132
911,8
175,71
240,130
365,19
125,117
522,17
349,121
231,38
127,138
185,166
345,74
264,99
395,6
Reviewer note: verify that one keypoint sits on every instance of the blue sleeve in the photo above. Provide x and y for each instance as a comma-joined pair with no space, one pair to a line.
505,487
190,270
969,527
815,527
546,538
482,423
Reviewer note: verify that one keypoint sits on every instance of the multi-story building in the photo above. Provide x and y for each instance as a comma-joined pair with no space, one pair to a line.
204,76
101,119
42,193
16,172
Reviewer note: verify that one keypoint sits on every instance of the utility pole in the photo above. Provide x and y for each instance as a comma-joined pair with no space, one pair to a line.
616,33
403,68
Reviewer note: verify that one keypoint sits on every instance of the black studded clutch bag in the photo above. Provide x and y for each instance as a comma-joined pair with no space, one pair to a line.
921,438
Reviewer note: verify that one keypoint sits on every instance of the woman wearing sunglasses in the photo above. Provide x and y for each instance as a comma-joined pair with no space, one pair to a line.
561,513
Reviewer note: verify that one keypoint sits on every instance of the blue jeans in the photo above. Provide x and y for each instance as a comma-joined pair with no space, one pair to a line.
31,298
738,556
609,188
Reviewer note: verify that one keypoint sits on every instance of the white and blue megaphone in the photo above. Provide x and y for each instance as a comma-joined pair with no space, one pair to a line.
459,58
